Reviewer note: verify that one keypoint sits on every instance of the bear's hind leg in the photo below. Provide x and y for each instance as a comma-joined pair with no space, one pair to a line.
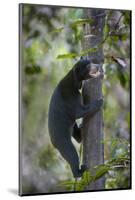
69,152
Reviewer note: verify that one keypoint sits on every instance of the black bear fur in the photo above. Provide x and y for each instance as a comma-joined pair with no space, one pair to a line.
65,107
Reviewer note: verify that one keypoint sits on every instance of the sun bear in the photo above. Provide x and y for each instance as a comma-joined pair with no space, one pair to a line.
66,106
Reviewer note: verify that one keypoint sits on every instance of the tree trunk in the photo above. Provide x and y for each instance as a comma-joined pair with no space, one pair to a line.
93,149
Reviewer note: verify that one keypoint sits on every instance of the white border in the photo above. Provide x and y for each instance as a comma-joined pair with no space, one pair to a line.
9,97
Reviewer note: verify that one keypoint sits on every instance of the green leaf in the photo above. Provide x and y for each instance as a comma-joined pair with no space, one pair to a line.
74,55
114,143
29,70
67,183
122,78
68,55
86,177
115,38
127,17
101,171
80,186
106,29
124,36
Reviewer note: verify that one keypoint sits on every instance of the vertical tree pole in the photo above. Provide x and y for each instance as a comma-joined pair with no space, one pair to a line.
92,131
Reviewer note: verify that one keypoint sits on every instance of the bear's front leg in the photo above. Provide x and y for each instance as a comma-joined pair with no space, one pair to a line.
90,109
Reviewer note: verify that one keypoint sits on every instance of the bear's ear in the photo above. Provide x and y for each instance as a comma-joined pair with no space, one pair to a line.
81,58
84,58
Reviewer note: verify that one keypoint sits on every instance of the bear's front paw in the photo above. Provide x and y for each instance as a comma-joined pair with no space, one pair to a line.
84,168
99,102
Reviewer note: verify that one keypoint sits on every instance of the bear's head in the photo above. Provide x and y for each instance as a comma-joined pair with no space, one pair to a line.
84,70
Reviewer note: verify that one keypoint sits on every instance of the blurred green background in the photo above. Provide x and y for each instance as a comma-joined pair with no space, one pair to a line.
49,32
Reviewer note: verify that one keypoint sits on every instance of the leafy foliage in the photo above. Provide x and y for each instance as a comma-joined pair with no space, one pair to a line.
122,161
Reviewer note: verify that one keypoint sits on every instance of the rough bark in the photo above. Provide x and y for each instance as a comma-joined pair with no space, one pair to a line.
93,150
